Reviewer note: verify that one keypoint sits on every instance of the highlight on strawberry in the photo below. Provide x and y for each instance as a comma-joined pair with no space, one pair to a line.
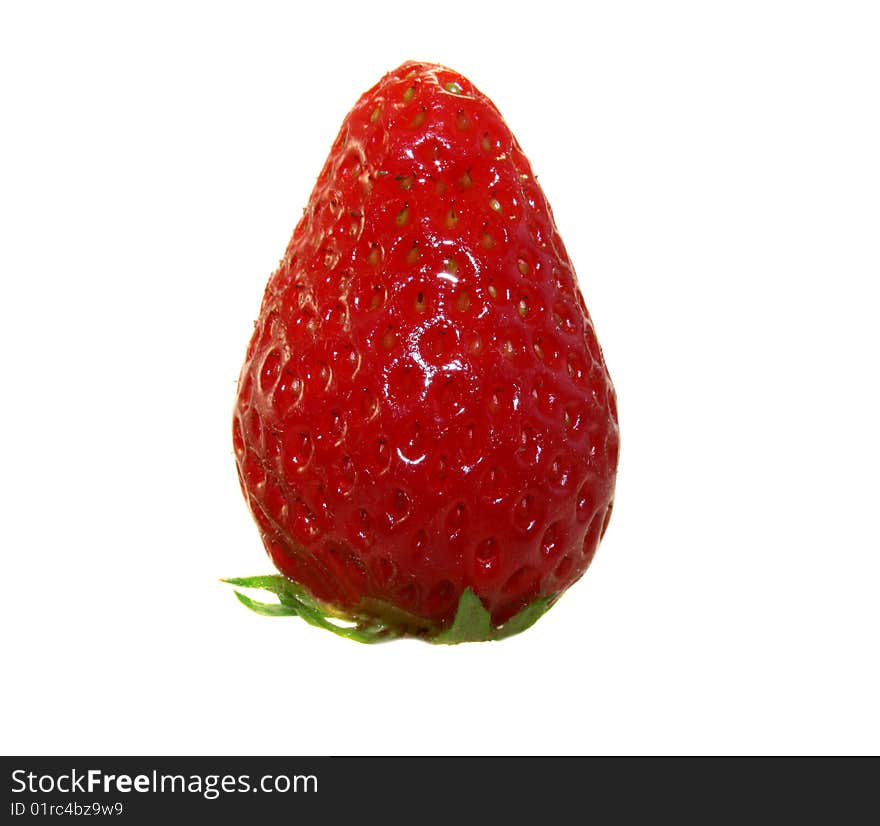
425,430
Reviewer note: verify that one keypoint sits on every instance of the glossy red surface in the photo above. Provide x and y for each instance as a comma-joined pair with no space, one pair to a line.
424,405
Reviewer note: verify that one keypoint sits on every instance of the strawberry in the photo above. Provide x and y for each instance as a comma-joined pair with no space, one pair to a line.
425,430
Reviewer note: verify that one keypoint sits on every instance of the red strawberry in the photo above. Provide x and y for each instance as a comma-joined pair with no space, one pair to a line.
425,424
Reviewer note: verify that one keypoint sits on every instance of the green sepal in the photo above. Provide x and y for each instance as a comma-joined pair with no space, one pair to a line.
294,600
379,622
266,609
472,622
525,618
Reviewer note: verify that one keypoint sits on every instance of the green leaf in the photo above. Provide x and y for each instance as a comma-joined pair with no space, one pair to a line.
378,622
526,618
266,609
294,600
271,582
472,622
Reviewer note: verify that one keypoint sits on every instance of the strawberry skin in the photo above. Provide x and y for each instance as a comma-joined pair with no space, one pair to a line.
424,407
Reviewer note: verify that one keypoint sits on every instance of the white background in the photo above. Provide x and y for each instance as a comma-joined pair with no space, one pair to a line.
714,171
